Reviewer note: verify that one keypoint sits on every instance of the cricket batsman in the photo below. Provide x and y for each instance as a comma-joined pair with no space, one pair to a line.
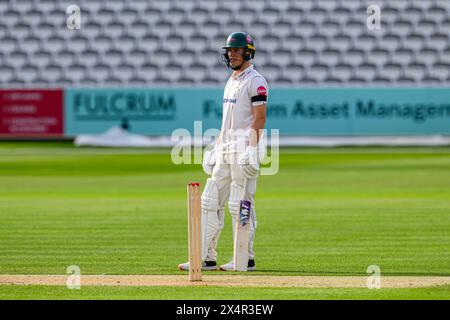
234,162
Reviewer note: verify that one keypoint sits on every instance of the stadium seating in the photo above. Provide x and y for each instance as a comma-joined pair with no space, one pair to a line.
177,42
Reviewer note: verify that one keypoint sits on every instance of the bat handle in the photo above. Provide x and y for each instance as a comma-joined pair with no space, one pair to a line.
244,194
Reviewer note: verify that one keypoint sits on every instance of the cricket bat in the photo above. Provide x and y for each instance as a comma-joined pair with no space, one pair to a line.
242,234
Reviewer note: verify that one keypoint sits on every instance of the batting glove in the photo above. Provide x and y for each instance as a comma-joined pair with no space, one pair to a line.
209,161
249,162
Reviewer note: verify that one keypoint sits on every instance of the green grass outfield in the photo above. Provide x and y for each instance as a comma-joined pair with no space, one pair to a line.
123,211
215,293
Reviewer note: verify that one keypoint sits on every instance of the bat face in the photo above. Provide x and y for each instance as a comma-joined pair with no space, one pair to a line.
242,237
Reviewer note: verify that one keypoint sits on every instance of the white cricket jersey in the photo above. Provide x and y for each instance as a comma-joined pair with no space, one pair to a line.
242,92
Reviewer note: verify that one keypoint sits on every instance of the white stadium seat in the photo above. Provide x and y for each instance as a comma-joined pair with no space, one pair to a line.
174,42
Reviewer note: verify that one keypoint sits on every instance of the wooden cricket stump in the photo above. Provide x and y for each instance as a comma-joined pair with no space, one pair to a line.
194,232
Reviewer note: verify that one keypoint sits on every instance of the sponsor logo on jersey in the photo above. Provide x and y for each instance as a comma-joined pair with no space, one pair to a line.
261,91
226,100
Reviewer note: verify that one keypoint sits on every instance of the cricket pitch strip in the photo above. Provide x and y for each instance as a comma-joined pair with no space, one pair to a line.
228,280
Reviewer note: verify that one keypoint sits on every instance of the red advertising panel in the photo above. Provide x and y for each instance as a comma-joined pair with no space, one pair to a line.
31,113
